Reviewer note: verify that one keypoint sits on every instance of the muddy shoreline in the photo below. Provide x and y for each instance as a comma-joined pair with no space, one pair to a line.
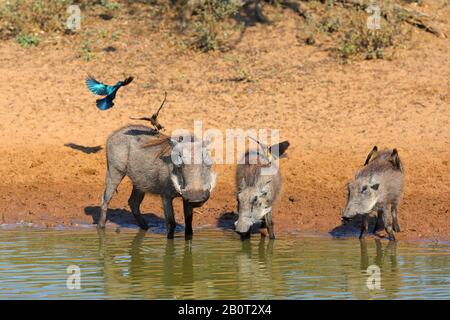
159,230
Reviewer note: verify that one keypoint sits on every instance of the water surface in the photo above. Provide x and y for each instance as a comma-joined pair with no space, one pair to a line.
215,265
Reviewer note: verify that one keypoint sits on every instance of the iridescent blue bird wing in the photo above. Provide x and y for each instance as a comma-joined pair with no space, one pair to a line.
97,87
105,103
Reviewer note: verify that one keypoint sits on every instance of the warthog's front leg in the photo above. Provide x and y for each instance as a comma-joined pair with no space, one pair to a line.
387,225
364,225
134,202
269,225
170,218
188,213
379,221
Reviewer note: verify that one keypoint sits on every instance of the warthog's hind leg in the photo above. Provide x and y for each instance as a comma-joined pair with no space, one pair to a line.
379,221
134,202
269,225
387,225
113,179
395,224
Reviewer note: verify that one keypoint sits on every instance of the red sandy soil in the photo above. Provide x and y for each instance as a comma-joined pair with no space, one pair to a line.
332,114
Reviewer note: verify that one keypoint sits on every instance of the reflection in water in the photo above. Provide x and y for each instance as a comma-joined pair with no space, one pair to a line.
386,260
216,265
249,270
254,272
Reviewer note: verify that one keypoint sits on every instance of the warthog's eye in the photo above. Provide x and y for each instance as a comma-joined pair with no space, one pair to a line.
254,202
364,189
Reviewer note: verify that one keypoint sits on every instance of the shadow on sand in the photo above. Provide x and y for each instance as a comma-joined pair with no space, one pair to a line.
124,218
353,228
84,149
226,220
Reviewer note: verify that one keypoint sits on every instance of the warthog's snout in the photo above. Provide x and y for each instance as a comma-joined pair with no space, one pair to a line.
243,227
244,235
196,197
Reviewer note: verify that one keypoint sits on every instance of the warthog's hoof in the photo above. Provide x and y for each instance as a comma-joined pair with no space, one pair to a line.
245,235
380,233
170,236
101,225
143,226
391,237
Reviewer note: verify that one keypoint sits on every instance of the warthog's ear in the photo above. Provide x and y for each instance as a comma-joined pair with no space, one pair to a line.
173,158
395,160
278,150
173,141
375,186
372,155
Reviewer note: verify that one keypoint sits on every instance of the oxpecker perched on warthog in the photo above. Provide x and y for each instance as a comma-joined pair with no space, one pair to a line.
178,166
258,185
378,185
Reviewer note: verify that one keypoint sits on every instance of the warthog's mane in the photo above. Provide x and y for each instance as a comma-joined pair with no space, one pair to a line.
163,141
253,170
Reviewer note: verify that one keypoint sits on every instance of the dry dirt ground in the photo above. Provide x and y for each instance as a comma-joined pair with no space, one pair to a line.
332,114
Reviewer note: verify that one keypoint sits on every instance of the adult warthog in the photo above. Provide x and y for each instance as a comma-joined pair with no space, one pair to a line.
169,166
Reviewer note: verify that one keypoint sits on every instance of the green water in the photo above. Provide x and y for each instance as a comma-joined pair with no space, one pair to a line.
215,265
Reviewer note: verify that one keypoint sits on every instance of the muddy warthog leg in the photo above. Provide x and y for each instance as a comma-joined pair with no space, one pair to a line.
269,225
364,225
387,226
395,224
187,208
134,202
379,221
170,218
113,178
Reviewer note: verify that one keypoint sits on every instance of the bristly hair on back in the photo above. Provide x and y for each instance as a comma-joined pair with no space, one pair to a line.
163,141
253,170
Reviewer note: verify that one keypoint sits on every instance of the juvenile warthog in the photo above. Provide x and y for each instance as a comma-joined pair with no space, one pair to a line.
376,186
258,190
168,166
